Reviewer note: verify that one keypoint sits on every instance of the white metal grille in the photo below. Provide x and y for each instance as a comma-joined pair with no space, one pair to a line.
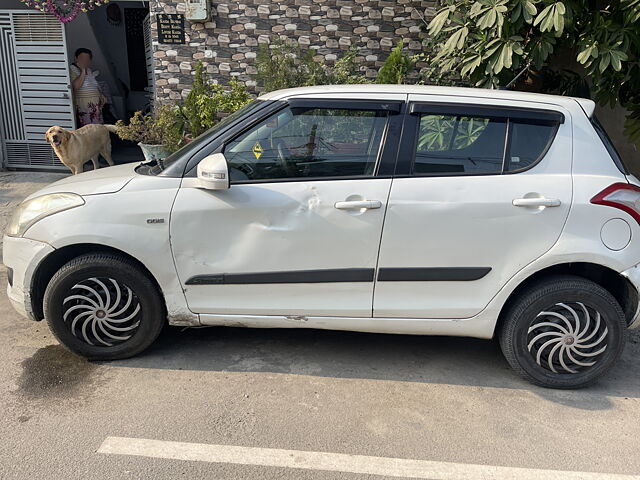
34,70
20,155
9,93
37,27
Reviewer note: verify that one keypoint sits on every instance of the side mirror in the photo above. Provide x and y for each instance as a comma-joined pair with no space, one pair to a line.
213,173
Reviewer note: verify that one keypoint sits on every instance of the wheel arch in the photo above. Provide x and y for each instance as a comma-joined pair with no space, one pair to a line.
615,283
56,259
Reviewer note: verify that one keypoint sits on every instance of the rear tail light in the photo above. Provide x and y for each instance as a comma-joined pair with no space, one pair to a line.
623,196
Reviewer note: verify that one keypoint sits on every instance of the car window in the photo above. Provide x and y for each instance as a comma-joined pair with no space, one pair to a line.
307,142
529,141
606,140
455,144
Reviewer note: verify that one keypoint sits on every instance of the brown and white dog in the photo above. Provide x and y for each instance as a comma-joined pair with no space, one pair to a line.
76,147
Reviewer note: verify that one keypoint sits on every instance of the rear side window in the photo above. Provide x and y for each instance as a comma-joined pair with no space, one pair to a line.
529,141
454,140
459,144
606,140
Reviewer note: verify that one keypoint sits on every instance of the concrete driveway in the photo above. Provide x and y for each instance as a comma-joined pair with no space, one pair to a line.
225,403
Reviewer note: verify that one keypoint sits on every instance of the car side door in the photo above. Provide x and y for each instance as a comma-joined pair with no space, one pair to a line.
481,190
298,231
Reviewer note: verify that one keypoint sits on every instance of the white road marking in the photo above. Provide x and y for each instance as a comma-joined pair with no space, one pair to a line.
336,462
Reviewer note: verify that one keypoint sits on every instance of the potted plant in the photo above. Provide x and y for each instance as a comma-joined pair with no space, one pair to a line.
158,134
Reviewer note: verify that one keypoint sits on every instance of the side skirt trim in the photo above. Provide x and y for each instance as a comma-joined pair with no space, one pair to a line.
480,326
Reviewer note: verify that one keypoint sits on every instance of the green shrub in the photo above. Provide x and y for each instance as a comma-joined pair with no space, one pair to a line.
346,70
285,65
397,66
164,126
207,101
218,101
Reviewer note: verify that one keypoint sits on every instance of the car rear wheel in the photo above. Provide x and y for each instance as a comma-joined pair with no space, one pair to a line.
104,307
564,332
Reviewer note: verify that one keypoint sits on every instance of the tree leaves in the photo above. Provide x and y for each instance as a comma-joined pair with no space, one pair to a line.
489,14
440,20
525,9
590,51
485,43
631,8
551,18
456,40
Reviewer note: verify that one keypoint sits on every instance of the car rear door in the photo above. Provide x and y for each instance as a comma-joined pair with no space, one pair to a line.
298,232
481,190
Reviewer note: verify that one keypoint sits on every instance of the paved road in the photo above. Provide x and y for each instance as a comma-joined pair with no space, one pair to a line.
443,400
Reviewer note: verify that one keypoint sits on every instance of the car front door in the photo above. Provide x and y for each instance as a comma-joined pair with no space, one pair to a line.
480,192
298,232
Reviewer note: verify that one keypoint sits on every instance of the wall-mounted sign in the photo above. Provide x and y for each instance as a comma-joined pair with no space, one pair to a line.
170,28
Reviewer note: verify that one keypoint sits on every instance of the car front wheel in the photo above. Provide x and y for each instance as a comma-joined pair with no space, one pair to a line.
104,307
564,332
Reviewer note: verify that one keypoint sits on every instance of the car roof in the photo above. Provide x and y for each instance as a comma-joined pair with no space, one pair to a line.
587,105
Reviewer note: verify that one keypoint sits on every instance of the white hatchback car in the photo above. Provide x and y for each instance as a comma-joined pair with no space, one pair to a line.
393,209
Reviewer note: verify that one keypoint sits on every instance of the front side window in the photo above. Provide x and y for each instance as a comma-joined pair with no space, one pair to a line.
455,144
303,142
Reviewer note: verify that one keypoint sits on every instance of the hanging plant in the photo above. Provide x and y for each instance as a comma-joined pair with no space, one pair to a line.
64,10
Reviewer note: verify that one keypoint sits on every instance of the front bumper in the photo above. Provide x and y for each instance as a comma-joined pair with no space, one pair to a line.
633,275
22,256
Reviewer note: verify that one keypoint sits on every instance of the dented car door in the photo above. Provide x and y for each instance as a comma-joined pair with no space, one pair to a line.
298,231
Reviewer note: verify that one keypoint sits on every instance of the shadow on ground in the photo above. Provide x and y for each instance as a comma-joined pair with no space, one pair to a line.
350,355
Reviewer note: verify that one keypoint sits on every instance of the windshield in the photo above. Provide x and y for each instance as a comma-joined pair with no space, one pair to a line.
158,167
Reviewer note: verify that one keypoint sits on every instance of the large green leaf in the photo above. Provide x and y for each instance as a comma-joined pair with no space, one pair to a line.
456,40
489,13
631,9
525,9
551,18
440,20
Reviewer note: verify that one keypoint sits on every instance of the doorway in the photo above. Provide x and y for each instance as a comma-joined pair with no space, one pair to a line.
118,34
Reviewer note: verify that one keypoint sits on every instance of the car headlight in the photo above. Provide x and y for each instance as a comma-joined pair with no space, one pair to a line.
37,208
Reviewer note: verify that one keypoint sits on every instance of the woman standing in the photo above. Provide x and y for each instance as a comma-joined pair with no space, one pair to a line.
87,96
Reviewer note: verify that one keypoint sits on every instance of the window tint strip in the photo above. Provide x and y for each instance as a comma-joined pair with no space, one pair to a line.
488,111
339,104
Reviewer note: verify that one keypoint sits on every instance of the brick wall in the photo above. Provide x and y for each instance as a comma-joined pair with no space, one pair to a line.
229,42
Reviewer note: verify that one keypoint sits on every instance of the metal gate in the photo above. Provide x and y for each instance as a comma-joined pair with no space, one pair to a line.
36,91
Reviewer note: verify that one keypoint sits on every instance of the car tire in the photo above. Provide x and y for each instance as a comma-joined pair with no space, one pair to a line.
564,332
102,306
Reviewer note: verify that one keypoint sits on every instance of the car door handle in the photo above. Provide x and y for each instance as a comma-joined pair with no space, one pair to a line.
358,204
536,202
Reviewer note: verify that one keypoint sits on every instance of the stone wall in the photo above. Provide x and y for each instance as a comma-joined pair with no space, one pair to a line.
228,44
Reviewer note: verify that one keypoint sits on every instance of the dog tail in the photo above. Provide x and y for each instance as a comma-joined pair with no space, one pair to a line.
111,128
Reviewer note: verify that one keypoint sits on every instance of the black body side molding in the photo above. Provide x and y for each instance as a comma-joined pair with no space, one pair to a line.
345,275
300,276
436,274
